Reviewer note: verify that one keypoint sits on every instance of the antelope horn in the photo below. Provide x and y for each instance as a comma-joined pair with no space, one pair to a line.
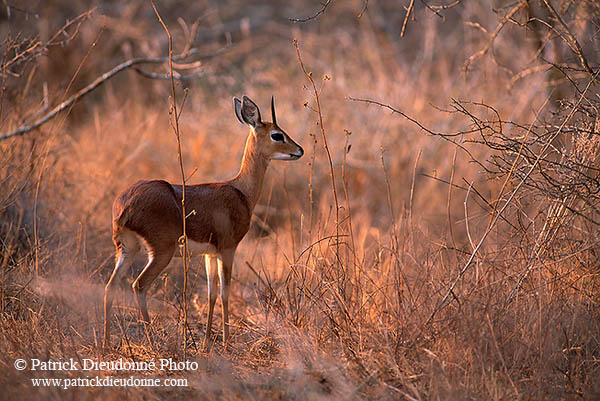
273,111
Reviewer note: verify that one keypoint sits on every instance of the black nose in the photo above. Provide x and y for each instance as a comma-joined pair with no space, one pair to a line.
301,151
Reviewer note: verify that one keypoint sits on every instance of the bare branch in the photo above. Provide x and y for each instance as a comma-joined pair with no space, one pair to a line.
60,38
10,7
493,35
97,82
433,10
572,41
316,96
447,137
364,9
176,75
183,240
532,167
410,9
528,71
321,11
445,6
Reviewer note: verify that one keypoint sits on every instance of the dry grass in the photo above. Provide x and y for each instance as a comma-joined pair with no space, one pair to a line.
523,320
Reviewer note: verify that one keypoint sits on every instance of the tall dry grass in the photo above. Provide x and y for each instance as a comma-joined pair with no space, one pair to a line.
314,316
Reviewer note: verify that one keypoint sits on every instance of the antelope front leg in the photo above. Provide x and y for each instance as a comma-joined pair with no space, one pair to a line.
225,265
211,277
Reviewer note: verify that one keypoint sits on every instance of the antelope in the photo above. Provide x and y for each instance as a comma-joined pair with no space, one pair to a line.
149,214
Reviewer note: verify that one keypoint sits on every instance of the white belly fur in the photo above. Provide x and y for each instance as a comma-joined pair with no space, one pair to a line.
129,238
201,248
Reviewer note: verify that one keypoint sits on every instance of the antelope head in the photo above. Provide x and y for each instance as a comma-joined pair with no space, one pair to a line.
273,143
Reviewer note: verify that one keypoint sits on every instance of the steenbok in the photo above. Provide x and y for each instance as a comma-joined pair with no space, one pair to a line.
149,214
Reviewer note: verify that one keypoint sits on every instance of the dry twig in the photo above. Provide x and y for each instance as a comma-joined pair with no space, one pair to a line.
493,35
316,94
315,15
175,124
409,10
571,40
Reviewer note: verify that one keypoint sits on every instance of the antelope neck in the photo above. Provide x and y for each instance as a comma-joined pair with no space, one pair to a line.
250,178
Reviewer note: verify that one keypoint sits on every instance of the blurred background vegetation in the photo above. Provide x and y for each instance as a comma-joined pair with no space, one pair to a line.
464,262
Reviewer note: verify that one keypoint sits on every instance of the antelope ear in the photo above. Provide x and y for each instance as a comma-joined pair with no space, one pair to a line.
250,112
237,106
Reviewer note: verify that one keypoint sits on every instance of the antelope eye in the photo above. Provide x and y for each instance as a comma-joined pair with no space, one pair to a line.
277,137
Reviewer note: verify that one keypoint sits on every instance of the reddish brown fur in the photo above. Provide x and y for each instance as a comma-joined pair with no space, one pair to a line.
152,209
218,214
